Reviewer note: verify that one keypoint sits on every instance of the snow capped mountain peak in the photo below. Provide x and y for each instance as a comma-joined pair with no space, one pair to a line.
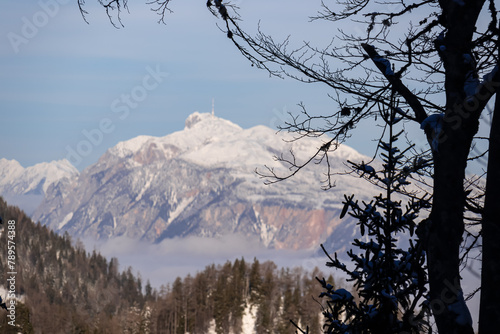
208,122
16,179
49,173
210,141
128,147
201,181
200,129
9,169
26,187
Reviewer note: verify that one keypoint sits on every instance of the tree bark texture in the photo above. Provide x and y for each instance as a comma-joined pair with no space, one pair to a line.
489,313
459,125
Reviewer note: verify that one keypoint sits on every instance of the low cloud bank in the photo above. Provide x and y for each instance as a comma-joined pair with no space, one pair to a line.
162,263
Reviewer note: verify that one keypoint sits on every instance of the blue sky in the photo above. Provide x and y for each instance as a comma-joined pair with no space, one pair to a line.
60,76
63,80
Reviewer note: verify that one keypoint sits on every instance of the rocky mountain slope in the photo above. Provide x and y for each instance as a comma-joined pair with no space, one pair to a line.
201,181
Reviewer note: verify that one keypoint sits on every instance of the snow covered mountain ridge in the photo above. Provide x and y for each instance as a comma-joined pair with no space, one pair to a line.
211,141
35,179
201,182
26,187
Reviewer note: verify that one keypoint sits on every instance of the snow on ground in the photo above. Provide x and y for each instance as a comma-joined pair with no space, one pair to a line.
248,321
211,327
179,209
4,292
249,316
66,219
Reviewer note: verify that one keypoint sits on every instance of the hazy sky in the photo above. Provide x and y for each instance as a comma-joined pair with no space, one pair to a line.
62,79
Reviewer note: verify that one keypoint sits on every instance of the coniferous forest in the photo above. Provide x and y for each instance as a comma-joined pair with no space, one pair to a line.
62,288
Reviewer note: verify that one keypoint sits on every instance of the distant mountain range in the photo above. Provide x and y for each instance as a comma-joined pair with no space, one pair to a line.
26,187
201,182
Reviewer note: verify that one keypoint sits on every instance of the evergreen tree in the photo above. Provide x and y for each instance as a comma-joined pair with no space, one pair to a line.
267,299
221,299
203,311
178,296
22,322
255,281
64,290
291,301
391,282
148,290
237,294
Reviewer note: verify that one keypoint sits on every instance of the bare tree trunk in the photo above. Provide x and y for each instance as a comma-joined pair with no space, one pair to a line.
459,125
445,235
489,316
185,314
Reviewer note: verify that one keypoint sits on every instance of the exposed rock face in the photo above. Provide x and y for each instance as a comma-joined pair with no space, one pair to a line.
201,181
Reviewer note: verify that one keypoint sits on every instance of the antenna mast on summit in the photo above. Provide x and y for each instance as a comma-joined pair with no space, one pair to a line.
213,107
